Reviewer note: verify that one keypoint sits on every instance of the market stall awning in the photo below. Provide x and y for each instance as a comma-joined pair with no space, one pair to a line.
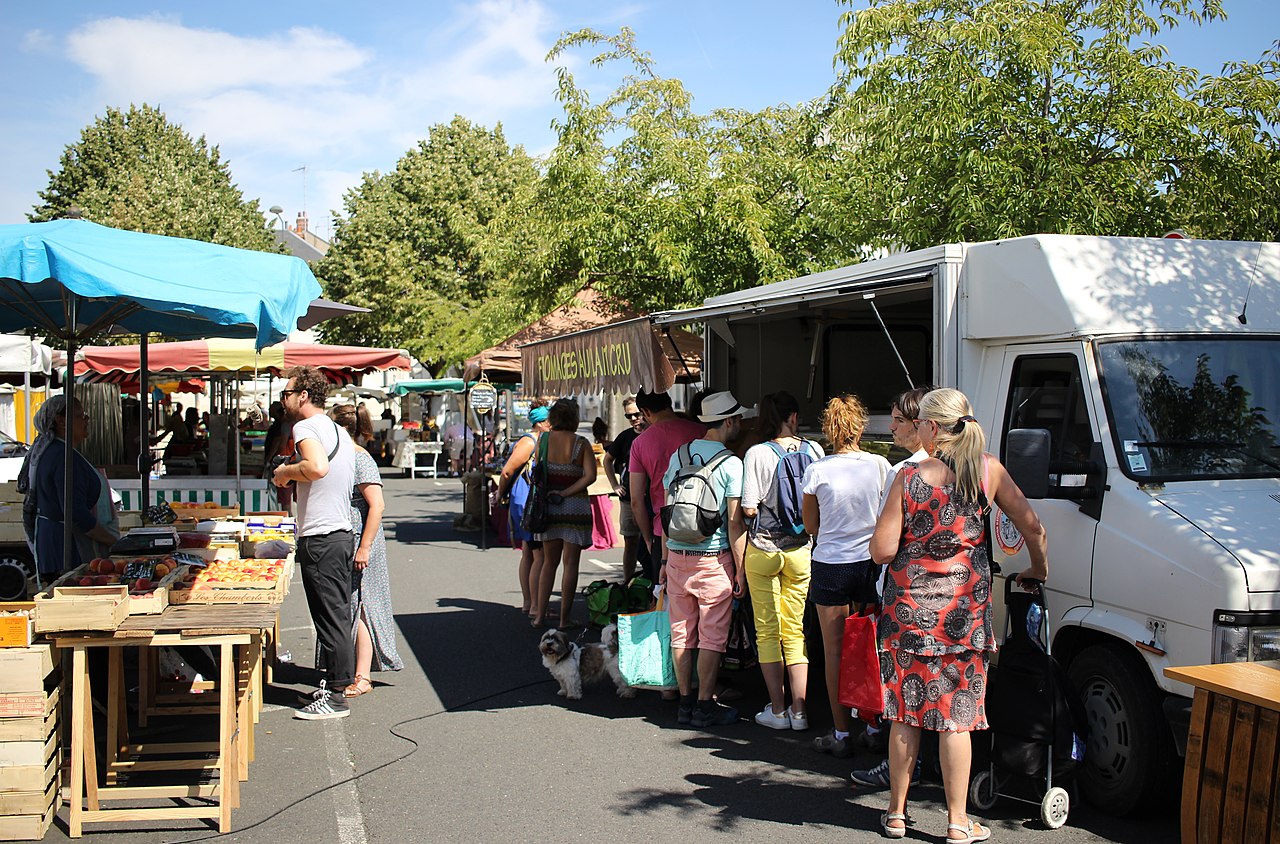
588,310
50,272
440,385
341,364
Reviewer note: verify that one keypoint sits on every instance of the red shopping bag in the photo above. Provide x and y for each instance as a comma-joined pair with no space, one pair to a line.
860,685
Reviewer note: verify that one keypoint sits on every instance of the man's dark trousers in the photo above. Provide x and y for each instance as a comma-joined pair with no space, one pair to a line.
328,564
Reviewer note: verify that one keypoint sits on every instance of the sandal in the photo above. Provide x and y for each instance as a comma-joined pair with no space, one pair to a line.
536,623
569,625
973,831
362,686
893,831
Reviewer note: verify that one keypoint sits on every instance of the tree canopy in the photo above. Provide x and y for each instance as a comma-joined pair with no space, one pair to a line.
981,119
133,169
415,246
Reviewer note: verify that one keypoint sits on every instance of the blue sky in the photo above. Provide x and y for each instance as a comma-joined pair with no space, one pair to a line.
344,88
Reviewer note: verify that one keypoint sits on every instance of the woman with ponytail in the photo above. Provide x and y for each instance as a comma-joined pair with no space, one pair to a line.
513,490
936,627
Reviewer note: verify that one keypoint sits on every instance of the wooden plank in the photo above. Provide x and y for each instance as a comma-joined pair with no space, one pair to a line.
147,792
1260,804
25,669
165,814
1239,765
1253,682
79,702
135,765
1213,782
153,748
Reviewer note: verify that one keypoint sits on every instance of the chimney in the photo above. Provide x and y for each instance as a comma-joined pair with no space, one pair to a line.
302,223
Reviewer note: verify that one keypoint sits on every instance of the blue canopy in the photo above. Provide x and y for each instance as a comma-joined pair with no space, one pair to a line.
146,282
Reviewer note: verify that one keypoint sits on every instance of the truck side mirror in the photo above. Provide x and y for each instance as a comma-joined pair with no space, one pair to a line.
1026,454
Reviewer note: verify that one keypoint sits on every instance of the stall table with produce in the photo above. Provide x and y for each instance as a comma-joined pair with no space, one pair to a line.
215,582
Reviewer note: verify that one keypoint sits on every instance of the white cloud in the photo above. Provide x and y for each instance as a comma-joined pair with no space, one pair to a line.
273,102
37,41
156,59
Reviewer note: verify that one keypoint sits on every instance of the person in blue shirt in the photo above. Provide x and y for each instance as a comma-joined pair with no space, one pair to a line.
703,579
92,514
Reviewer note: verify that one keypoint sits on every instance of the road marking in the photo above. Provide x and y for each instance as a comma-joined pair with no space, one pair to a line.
310,628
602,564
346,798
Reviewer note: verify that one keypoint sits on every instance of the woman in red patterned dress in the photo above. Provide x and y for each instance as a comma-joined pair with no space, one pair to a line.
935,631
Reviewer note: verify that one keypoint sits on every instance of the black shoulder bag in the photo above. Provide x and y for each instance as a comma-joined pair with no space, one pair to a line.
536,518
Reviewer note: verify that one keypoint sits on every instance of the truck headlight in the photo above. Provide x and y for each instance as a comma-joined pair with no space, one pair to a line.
1245,636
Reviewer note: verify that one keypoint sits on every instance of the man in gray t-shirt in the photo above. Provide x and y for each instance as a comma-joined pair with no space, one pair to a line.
323,468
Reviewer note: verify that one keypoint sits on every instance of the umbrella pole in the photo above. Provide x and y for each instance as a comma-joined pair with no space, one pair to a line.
484,488
235,439
73,316
144,433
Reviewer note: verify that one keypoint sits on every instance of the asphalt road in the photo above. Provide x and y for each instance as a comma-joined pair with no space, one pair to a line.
470,742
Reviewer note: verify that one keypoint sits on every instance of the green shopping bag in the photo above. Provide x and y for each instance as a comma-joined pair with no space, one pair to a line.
644,648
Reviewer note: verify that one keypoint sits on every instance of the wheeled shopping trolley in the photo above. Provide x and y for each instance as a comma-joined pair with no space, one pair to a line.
1037,722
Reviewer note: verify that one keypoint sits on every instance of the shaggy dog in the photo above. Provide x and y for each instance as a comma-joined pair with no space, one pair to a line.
573,664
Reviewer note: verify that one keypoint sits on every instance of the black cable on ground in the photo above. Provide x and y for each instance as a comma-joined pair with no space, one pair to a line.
392,729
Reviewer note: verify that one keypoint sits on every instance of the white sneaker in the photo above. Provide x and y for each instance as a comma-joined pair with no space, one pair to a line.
799,721
766,718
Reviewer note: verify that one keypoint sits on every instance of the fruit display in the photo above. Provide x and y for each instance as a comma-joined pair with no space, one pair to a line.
193,539
195,505
234,574
140,574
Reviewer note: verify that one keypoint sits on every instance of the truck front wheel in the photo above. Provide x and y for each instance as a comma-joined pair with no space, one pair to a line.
1130,751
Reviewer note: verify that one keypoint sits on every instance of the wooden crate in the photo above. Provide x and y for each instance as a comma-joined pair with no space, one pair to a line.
34,826
32,777
33,727
22,754
29,802
81,608
231,593
9,493
27,669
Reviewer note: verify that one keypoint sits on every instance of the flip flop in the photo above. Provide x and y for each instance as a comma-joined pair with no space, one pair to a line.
570,625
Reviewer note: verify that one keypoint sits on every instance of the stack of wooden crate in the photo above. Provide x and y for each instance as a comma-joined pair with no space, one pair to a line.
30,748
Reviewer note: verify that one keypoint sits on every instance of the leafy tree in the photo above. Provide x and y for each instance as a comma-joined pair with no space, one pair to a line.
415,244
981,119
135,170
659,206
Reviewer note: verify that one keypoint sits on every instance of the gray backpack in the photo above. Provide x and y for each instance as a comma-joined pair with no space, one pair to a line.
692,509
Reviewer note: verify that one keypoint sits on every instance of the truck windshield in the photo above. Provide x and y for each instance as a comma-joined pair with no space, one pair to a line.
1194,408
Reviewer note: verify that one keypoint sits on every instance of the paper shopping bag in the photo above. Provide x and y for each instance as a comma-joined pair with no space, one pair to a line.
644,648
860,685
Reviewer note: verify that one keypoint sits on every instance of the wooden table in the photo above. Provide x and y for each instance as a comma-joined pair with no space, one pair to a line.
1229,783
236,631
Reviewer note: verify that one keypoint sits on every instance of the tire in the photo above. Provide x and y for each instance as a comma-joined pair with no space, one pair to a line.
15,568
982,791
1054,808
1130,751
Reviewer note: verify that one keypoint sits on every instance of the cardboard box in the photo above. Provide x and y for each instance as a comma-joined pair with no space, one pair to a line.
26,669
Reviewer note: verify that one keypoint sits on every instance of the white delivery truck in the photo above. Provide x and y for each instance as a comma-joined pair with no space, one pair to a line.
1154,367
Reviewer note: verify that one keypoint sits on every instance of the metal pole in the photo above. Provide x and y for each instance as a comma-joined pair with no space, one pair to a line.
28,433
484,488
235,440
144,433
73,315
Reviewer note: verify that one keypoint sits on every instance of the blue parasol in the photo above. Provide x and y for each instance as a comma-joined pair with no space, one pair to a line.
74,279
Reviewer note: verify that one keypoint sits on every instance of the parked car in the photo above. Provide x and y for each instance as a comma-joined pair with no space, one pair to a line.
12,453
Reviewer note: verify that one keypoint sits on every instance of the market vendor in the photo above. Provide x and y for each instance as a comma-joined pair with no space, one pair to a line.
94,523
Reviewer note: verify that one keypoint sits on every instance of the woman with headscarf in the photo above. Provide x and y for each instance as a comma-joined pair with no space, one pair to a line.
94,524
513,488
936,628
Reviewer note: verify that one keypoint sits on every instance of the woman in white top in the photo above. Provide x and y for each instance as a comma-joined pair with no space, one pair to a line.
842,494
777,557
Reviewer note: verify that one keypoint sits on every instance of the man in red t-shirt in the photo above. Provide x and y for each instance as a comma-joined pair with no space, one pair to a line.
650,454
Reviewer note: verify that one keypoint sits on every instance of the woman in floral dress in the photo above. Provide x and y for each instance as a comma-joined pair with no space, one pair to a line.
374,622
935,631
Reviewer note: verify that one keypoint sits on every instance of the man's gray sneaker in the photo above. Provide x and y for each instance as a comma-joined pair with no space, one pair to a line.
325,706
839,748
878,777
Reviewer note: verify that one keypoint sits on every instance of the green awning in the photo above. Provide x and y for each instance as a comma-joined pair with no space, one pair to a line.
442,385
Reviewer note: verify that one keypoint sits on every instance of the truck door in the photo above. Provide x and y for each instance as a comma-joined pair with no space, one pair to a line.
1045,388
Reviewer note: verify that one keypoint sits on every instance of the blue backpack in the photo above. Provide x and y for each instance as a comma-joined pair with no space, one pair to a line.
781,514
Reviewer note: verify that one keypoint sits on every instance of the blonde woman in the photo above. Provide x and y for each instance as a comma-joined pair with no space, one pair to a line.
777,563
936,628
842,493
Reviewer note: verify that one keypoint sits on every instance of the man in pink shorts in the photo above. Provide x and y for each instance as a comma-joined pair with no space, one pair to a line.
702,579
